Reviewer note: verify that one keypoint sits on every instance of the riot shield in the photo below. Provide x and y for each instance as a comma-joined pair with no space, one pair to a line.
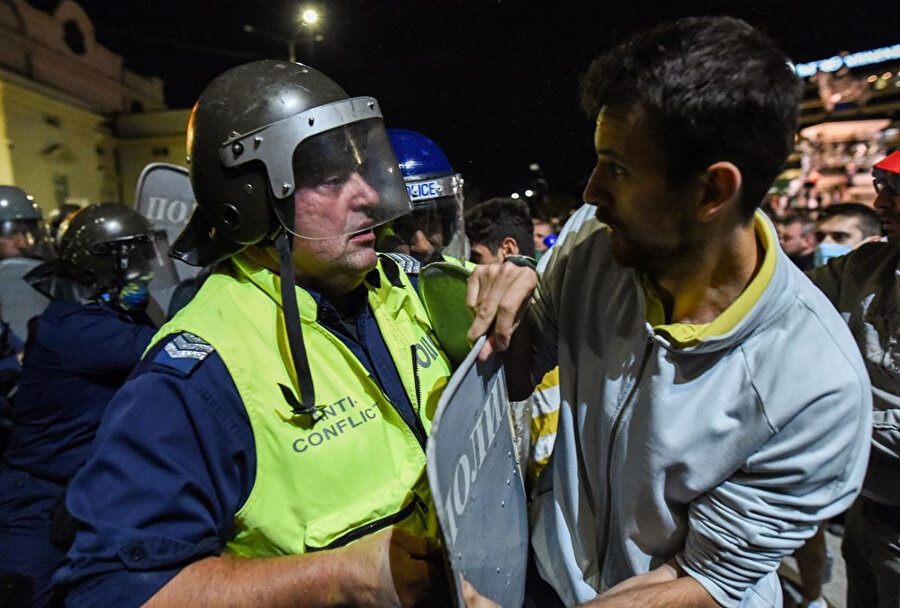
442,286
19,301
164,196
478,491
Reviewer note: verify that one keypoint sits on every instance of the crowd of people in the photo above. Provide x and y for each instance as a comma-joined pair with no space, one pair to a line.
697,387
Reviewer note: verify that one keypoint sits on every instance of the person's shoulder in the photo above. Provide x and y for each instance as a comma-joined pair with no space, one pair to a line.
179,354
405,262
879,251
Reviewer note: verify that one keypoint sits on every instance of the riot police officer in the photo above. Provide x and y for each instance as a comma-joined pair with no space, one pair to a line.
79,351
434,231
23,243
297,387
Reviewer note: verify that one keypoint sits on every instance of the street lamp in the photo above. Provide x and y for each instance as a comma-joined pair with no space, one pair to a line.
309,19
309,16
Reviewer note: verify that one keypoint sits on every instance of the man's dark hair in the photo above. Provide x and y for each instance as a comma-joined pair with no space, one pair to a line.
490,222
715,89
807,223
868,219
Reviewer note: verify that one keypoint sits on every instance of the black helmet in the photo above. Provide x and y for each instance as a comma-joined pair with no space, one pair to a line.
102,249
262,131
19,214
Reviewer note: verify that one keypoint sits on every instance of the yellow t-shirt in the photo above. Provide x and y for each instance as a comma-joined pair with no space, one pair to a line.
686,334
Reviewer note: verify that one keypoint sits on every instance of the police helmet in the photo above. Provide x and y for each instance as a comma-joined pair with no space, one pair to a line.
102,249
266,130
434,188
19,214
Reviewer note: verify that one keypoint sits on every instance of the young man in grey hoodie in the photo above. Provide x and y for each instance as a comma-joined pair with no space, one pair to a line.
696,445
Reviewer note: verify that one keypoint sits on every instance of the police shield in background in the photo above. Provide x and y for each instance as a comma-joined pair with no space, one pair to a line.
433,232
79,351
283,412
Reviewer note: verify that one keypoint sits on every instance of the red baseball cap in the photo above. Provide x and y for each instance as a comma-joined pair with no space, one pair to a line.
890,163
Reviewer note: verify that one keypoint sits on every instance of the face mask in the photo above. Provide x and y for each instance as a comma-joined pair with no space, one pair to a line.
134,296
826,251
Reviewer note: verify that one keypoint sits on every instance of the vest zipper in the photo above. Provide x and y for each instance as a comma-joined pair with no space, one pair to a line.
374,526
611,450
418,385
414,425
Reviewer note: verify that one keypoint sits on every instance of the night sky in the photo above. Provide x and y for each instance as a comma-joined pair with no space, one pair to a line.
493,82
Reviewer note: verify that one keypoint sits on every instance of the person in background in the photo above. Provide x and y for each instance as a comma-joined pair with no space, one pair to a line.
844,227
495,228
79,351
863,285
434,231
542,230
498,228
23,244
797,235
58,217
269,449
696,444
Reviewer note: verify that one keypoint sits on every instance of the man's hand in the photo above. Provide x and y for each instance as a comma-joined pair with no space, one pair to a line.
399,569
474,599
668,585
499,295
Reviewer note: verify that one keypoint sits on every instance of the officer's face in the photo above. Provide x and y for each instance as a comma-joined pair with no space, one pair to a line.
341,206
13,246
422,232
650,220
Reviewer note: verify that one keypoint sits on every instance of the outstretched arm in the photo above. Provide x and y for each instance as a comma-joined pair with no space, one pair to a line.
499,295
668,585
389,568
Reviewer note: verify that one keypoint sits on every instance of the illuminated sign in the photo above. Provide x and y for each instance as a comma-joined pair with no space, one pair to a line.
853,60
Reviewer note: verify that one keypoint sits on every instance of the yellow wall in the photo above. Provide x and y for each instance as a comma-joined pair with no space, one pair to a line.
50,140
6,170
149,137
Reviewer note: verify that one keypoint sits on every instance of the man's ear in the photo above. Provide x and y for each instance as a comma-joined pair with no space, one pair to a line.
721,185
509,246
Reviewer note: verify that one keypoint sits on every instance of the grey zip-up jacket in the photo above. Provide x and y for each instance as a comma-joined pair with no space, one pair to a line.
724,455
864,286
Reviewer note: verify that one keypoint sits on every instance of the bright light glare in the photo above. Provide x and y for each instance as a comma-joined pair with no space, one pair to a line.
529,193
514,195
309,16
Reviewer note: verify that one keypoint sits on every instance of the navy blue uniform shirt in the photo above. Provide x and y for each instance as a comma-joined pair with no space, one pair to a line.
75,359
174,461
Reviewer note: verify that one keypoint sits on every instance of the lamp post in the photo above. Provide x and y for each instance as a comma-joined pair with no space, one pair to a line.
309,20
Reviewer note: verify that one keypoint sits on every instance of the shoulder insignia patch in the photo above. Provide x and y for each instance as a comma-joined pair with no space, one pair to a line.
184,352
407,263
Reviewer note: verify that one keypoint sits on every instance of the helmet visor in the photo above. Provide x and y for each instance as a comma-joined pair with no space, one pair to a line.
140,259
346,181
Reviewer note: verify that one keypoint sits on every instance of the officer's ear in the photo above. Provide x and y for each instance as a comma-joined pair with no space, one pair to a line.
509,246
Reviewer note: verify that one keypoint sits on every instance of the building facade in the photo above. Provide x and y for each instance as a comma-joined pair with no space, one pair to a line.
75,124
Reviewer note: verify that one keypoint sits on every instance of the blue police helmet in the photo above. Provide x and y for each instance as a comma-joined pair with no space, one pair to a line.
418,156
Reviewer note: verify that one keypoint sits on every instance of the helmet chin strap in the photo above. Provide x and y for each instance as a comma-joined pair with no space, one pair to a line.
307,403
